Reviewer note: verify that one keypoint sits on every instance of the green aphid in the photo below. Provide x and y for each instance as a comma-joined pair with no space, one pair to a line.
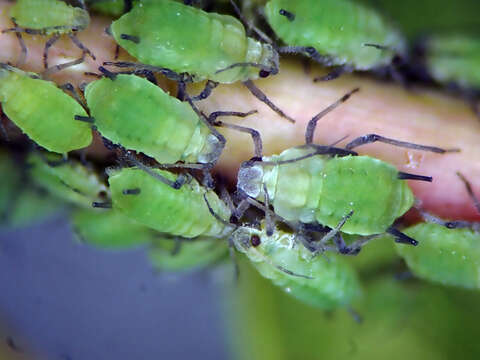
69,181
454,59
109,229
175,36
324,282
49,17
206,46
446,256
21,203
340,33
43,111
180,254
449,251
329,186
115,8
131,111
153,203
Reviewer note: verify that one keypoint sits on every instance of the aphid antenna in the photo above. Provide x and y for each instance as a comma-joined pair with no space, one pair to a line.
23,52
371,138
177,184
471,194
54,69
260,95
48,45
317,150
333,232
400,237
335,73
71,89
379,47
170,74
207,90
107,73
249,25
265,71
312,124
310,51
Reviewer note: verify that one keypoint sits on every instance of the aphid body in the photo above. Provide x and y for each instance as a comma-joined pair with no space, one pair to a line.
446,256
69,181
337,29
454,59
43,111
186,39
130,111
49,16
181,212
323,189
326,283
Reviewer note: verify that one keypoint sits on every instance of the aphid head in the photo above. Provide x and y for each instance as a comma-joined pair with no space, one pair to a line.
269,60
250,179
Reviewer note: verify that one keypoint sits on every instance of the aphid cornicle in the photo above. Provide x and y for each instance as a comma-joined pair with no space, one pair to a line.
49,17
320,282
335,33
44,112
131,111
449,251
206,46
69,181
181,212
323,184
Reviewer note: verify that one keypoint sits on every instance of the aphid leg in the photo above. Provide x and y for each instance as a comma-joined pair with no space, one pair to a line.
270,224
400,237
215,215
458,224
71,89
289,15
257,140
148,75
169,74
23,53
371,138
54,69
181,91
47,47
111,75
249,25
312,124
335,73
87,119
333,232
407,176
263,98
80,45
306,50
468,187
209,86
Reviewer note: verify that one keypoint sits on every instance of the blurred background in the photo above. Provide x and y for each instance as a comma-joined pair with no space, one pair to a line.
61,299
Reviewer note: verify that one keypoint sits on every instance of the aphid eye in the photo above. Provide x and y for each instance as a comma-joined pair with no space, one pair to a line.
264,73
255,240
310,50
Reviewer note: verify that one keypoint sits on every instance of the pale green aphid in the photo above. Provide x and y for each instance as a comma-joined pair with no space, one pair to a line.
110,229
175,36
323,190
180,254
454,59
43,111
335,32
446,256
322,282
131,111
49,17
181,212
69,181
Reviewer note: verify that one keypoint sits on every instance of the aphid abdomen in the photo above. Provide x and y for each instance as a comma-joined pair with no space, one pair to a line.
337,28
53,16
181,212
138,115
332,283
446,256
367,186
186,39
43,112
298,185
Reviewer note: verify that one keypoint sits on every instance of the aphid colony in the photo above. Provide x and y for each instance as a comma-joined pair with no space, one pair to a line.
313,204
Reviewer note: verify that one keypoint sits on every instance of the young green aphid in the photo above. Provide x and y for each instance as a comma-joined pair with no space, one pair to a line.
207,46
449,251
339,33
169,253
114,8
110,229
69,181
326,283
50,17
139,195
322,185
131,111
43,111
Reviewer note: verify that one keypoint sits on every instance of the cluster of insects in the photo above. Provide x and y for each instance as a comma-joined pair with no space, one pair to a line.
297,216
